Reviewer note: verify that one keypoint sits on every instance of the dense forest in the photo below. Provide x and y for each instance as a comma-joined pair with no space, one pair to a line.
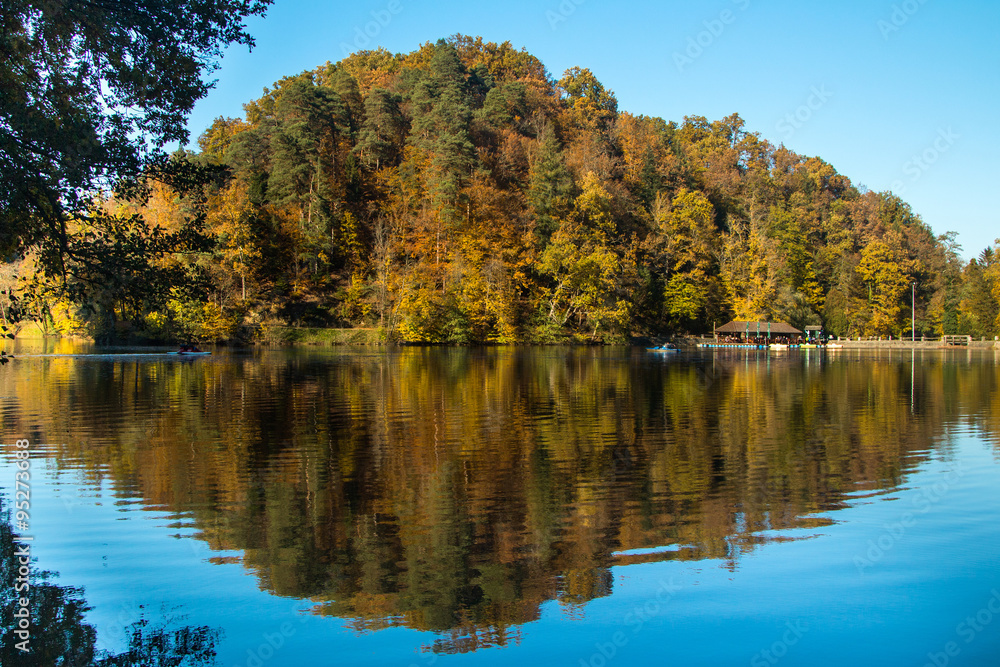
459,193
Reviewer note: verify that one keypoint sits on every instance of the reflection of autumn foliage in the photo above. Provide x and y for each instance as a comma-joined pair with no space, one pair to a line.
457,490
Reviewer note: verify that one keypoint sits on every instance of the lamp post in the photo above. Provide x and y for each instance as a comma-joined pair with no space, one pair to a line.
913,313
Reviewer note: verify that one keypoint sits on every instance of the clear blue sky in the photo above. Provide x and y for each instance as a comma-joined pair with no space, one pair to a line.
897,95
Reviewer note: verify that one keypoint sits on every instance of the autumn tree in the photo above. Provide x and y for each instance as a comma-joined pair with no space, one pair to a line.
749,270
980,295
590,277
592,107
796,243
239,233
682,251
888,275
457,193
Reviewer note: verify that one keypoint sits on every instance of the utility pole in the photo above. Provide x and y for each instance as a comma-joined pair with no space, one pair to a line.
913,314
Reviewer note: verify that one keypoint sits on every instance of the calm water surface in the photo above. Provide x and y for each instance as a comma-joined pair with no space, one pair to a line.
511,506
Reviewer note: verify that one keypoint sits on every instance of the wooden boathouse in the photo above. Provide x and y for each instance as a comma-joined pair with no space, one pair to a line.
742,332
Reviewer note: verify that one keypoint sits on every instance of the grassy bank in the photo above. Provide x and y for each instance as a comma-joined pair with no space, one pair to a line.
321,336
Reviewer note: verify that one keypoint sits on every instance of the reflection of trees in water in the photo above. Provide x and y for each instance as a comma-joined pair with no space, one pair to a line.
59,634
458,490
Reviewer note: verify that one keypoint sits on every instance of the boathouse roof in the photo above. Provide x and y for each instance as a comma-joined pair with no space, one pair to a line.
740,326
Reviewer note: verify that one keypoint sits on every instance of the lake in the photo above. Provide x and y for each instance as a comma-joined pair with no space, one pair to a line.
554,506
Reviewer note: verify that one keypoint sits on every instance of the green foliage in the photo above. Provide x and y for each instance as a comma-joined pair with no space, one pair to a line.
684,296
589,277
88,88
307,122
383,129
681,248
440,126
979,313
550,189
216,140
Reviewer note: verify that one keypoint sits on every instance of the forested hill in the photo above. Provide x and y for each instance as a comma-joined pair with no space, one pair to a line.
459,193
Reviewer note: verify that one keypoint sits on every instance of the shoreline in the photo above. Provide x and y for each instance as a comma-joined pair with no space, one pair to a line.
890,345
372,337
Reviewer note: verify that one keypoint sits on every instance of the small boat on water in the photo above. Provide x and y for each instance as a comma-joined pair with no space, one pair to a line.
664,348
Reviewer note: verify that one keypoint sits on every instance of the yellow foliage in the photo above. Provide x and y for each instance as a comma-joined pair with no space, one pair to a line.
749,270
419,310
350,241
67,320
157,322
887,271
354,305
204,322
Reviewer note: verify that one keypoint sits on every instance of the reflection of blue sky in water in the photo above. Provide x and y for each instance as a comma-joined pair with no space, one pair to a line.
53,628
